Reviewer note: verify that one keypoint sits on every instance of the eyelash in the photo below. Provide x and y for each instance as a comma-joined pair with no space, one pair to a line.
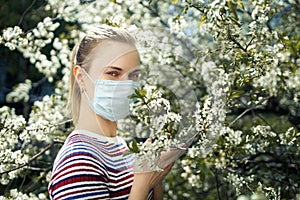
113,73
134,75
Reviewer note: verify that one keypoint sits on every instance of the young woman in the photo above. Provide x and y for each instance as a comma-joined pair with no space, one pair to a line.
91,164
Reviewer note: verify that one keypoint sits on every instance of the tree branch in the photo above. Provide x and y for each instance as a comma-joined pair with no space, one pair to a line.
241,115
250,43
32,159
247,110
218,185
25,12
232,39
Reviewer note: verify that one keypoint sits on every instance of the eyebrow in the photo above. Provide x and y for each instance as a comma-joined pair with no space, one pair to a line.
120,69
137,70
116,68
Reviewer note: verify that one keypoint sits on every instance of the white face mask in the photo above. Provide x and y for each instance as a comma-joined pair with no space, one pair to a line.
111,98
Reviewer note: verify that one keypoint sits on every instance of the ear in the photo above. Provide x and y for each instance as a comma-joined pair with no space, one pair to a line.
79,76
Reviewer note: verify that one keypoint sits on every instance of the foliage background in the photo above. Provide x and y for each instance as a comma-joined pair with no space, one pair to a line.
244,68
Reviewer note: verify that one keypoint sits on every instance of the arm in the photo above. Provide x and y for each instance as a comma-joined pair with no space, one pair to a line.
158,191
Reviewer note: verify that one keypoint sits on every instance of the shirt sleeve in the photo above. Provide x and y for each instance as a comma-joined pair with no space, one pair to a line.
78,174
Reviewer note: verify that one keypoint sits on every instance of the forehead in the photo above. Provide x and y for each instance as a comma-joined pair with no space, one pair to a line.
111,53
107,52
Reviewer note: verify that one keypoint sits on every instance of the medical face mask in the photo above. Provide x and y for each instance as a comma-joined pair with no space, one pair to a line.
111,98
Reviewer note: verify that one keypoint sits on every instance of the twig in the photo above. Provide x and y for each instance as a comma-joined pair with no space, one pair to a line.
218,185
241,115
237,43
51,125
247,110
32,159
37,168
190,4
25,12
249,43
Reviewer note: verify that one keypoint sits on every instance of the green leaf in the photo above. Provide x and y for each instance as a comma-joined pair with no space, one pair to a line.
132,96
134,147
240,4
1,125
142,93
202,21
298,46
237,93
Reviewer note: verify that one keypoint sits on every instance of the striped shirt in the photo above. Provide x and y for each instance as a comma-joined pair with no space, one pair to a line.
92,166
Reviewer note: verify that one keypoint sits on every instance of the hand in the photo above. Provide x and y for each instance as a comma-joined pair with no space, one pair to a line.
143,182
145,178
157,160
168,157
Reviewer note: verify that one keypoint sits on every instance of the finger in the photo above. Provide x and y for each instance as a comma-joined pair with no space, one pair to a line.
168,167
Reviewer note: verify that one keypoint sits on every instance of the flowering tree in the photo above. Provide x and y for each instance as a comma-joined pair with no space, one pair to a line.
239,60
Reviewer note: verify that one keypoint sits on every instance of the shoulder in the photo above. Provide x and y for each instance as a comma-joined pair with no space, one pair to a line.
78,150
77,165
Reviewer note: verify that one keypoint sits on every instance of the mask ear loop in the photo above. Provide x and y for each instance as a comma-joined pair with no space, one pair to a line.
84,91
87,74
86,95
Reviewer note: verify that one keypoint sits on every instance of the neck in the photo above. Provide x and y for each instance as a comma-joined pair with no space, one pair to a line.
90,121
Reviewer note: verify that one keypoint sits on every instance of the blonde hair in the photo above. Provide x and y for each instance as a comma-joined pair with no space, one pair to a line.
80,53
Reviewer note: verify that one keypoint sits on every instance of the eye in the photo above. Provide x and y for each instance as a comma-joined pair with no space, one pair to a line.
134,76
113,73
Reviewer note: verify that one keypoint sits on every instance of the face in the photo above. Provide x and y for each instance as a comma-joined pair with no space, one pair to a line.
112,61
124,68
115,61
